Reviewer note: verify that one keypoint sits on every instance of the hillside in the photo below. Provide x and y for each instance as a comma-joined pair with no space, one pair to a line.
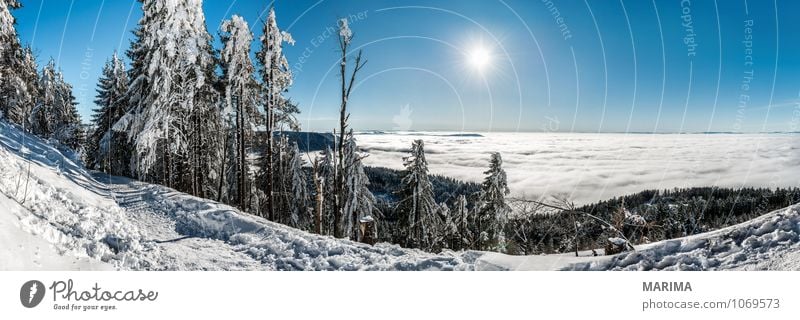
59,216
769,242
64,217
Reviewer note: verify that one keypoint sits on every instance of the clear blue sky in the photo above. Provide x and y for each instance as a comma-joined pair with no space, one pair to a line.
418,52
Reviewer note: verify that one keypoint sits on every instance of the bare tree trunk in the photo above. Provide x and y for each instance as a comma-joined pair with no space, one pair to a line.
575,224
339,210
242,156
269,110
222,165
318,214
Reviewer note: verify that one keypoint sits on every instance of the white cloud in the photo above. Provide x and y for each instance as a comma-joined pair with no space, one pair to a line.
592,167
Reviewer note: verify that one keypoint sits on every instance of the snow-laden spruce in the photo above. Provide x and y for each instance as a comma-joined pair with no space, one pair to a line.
9,60
492,208
106,150
276,78
417,207
359,203
173,105
55,115
240,113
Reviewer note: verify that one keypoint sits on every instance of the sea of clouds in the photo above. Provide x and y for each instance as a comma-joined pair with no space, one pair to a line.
590,167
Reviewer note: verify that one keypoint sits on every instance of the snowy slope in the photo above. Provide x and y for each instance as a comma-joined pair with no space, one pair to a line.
769,242
57,215
22,250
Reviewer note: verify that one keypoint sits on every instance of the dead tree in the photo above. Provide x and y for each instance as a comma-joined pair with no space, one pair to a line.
345,38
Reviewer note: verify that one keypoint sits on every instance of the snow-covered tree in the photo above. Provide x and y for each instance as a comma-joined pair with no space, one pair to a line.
55,115
24,80
450,236
492,209
240,106
276,77
295,187
102,152
13,100
345,40
42,116
358,201
326,166
174,116
68,129
9,42
461,217
417,207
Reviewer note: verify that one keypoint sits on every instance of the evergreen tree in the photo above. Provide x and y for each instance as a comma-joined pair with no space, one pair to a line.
110,100
276,77
173,121
492,210
240,102
345,40
327,168
12,100
446,233
55,116
358,201
9,42
417,207
42,121
68,128
461,218
25,79
296,186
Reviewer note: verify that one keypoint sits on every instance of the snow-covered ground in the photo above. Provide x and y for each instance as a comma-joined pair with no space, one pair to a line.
58,216
55,215
594,167
769,242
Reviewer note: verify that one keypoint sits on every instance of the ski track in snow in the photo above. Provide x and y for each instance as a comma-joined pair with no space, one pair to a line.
63,217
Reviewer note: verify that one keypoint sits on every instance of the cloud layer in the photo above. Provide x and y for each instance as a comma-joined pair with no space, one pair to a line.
592,167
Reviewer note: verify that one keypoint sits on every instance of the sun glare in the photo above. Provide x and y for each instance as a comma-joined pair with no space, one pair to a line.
479,58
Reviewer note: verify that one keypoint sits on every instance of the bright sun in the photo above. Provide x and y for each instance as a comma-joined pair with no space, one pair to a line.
479,58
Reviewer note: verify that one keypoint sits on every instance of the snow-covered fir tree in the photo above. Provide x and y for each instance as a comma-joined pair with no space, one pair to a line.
281,182
55,115
174,118
12,95
450,237
102,153
358,201
417,207
68,129
326,175
461,217
345,38
240,111
296,188
25,80
492,209
42,116
9,42
276,78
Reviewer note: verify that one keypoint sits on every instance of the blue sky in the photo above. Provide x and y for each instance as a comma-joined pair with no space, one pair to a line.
601,66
